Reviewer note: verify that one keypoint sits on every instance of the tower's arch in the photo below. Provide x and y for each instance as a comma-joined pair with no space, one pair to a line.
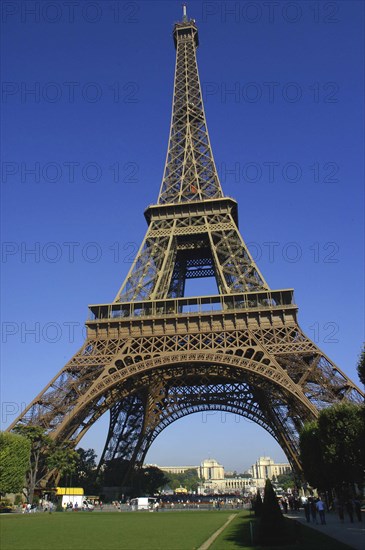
150,394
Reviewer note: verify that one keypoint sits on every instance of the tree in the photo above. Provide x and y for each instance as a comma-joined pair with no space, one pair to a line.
311,456
39,444
188,479
140,481
361,366
331,448
64,459
115,472
286,481
257,504
342,432
271,525
86,463
14,460
45,455
151,480
84,474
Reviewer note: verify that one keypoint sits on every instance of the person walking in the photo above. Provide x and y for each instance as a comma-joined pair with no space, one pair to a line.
306,509
357,506
285,503
350,510
313,509
320,510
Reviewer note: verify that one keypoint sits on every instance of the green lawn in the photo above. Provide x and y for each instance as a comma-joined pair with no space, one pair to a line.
109,531
141,531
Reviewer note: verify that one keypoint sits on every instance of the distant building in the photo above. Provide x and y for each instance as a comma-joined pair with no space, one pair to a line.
211,469
232,485
265,468
175,469
214,480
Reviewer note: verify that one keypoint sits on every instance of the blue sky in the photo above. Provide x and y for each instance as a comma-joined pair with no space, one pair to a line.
283,89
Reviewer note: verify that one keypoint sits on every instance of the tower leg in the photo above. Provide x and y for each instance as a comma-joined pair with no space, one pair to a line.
125,427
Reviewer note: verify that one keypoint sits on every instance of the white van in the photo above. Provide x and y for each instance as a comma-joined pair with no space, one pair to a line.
143,503
87,505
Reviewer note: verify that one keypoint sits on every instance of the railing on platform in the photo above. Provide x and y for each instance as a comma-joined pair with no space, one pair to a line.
197,304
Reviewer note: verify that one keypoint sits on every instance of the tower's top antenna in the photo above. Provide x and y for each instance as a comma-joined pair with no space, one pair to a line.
185,17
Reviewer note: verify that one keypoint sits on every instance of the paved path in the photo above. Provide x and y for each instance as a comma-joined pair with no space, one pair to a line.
352,534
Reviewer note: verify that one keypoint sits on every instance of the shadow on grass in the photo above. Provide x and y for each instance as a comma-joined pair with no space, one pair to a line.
238,536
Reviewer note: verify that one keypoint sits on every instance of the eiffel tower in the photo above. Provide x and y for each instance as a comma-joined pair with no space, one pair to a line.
154,355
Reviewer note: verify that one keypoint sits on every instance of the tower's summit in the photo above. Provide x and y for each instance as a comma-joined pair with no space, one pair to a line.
185,29
190,173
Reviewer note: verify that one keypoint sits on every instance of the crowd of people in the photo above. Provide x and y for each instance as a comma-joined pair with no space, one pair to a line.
43,506
349,506
189,502
348,509
314,509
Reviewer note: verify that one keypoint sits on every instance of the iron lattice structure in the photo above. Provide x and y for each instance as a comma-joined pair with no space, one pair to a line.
153,355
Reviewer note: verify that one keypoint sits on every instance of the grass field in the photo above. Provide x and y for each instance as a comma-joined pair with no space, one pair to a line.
109,531
140,531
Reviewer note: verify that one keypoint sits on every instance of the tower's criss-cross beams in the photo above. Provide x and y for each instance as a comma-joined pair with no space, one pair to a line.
154,355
